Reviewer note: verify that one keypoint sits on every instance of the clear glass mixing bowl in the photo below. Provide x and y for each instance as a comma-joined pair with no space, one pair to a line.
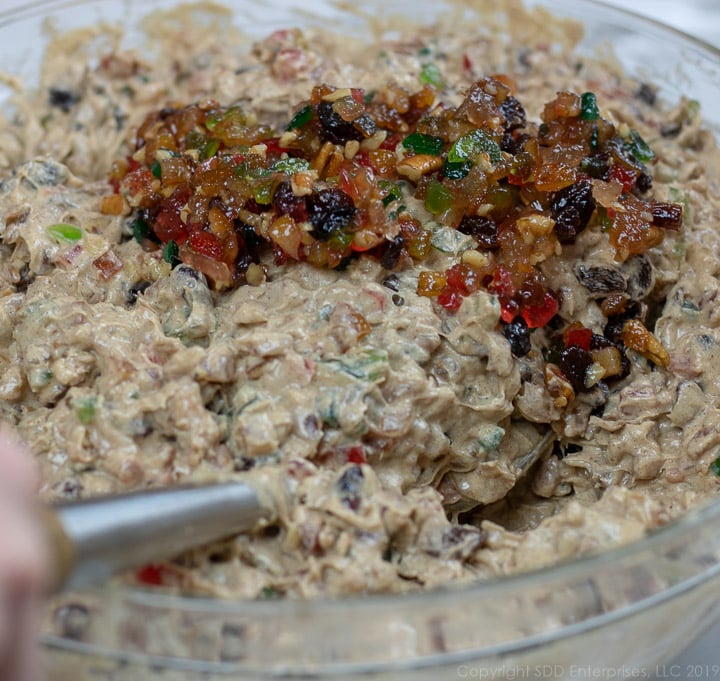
614,615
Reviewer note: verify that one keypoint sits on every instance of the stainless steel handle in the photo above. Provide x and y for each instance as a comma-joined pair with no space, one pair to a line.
96,538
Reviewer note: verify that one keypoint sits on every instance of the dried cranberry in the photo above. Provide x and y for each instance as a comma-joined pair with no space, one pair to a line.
484,230
574,362
518,335
513,113
335,129
391,252
329,210
572,208
349,487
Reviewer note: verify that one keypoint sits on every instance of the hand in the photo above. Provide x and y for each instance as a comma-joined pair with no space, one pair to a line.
22,562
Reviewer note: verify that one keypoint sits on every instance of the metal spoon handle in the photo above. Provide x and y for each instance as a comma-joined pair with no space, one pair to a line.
96,538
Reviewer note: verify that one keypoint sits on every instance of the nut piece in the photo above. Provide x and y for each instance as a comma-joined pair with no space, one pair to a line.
558,386
414,167
637,337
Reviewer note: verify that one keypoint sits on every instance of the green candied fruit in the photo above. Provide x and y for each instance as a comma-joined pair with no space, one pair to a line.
171,253
589,110
290,166
715,467
424,144
85,409
301,117
471,145
141,230
438,198
490,437
64,232
430,75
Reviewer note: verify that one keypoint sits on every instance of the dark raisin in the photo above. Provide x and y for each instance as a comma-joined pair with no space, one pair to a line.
597,342
572,208
482,229
644,183
613,327
284,202
25,278
574,362
647,93
391,252
392,282
640,276
596,165
668,215
63,99
398,300
335,129
513,112
136,289
599,280
329,210
250,239
518,335
349,487
513,142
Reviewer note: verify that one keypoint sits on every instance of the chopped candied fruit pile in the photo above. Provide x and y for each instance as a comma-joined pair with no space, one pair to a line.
219,190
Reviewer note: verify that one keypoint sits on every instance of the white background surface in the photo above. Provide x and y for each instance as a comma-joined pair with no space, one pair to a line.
702,19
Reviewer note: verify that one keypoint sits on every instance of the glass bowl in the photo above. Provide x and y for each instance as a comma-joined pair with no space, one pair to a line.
619,614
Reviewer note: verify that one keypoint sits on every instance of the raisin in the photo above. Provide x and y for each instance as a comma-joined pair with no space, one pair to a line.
513,112
644,183
600,280
349,486
63,99
335,129
572,208
613,327
330,210
596,165
398,300
518,335
392,282
482,229
135,290
668,215
513,143
647,93
391,252
284,202
574,362
597,342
